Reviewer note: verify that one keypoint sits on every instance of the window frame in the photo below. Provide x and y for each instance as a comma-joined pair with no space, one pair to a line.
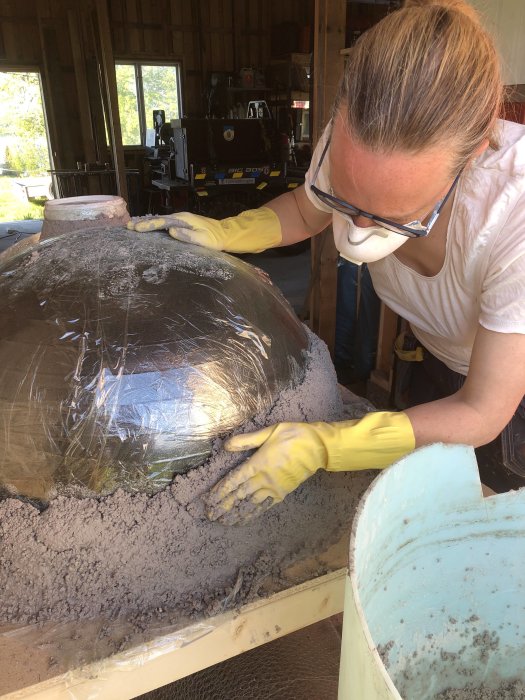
140,90
45,99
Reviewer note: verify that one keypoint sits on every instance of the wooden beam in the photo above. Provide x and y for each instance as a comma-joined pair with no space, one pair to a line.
110,83
388,329
95,84
84,103
329,39
55,104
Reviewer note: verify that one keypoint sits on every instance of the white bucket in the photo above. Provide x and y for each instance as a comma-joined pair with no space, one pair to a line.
436,584
74,213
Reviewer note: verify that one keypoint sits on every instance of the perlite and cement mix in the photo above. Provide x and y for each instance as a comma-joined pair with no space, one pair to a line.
129,554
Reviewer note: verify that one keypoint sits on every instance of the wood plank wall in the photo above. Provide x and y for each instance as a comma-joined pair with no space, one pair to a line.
205,35
32,36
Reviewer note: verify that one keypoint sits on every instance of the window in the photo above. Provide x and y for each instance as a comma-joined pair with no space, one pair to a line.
142,88
24,154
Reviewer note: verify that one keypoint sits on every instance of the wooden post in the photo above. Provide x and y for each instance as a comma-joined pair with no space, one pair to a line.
84,104
57,116
329,39
110,83
387,332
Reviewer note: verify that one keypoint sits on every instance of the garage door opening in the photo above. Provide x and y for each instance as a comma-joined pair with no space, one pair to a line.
25,184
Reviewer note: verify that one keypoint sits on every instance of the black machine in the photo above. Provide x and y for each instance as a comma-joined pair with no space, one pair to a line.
226,151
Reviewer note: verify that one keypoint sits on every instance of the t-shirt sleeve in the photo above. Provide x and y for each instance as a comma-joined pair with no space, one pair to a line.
503,291
323,176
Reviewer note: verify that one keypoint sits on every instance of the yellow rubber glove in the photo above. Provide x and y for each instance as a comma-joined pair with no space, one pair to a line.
251,231
289,453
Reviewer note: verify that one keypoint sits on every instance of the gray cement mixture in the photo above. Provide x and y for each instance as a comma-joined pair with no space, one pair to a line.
136,556
57,227
433,664
506,691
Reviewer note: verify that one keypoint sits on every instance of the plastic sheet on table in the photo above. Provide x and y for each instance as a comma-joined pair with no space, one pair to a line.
101,658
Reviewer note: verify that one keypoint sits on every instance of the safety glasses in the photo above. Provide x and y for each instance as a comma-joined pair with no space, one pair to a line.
413,229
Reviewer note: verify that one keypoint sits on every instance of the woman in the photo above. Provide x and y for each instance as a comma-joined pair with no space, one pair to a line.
422,181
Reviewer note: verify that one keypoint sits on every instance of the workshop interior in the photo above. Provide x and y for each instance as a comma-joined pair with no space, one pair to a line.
130,355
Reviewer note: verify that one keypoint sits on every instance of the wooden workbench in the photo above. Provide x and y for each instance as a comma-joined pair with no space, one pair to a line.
119,659
46,664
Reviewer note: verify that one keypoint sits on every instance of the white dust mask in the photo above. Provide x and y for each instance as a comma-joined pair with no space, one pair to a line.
364,245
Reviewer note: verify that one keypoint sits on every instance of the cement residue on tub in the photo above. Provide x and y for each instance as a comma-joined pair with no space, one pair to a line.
85,208
384,649
460,649
505,691
65,215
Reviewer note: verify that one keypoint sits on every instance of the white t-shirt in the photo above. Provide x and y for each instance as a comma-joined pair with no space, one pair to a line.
482,280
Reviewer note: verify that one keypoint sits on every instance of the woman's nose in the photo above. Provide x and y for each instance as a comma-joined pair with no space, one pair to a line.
362,221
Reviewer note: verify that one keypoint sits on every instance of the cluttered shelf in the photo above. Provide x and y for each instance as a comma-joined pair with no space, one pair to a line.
241,162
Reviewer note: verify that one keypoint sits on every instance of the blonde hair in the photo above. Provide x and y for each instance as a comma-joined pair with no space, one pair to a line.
426,74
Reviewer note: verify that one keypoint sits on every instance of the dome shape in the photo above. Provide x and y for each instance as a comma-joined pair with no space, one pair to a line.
123,355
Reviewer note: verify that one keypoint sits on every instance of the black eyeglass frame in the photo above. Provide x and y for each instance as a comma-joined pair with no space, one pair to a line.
410,230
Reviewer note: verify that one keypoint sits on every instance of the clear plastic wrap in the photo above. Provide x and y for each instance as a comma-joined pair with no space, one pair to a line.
123,355
98,592
119,659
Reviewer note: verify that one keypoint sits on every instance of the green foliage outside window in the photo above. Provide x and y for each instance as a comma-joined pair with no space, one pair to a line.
23,140
128,104
159,91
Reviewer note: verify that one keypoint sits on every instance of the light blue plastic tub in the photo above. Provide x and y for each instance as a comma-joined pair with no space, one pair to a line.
436,584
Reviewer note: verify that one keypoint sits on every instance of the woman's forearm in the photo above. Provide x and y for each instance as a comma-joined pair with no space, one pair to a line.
452,420
299,218
480,410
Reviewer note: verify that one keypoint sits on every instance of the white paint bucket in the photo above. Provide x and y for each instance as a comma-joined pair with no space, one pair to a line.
74,213
435,593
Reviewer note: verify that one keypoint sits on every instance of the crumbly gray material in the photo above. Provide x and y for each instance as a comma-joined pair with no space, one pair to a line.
133,554
505,691
480,649
110,249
